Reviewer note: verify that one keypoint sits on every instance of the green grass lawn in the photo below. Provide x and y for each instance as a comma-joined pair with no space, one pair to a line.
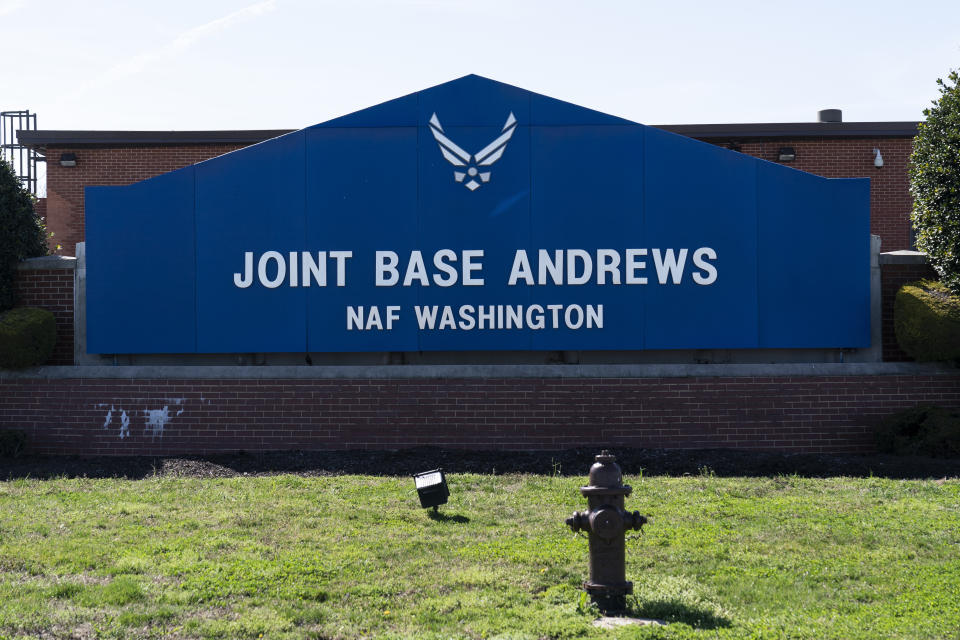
354,557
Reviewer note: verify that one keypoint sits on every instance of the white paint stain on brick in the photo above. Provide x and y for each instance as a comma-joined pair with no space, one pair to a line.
157,419
124,424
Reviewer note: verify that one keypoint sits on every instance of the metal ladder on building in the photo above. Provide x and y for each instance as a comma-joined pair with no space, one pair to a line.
23,160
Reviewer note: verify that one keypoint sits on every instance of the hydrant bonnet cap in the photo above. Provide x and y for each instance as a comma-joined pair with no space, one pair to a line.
605,472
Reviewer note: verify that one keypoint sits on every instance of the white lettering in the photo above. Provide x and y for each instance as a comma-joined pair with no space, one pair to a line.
633,264
568,312
469,317
262,269
608,261
386,268
520,268
373,319
669,266
515,316
314,269
426,316
341,259
572,256
711,271
294,271
485,317
556,267
469,267
553,267
446,318
440,259
354,318
416,270
247,272
535,316
594,316
555,308
392,315
467,321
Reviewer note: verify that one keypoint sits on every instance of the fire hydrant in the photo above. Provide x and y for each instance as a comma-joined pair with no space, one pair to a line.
606,521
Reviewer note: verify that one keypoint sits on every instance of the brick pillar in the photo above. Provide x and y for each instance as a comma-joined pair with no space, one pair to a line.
47,283
897,268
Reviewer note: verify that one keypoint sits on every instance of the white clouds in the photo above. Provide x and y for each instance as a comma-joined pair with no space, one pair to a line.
9,6
146,59
187,38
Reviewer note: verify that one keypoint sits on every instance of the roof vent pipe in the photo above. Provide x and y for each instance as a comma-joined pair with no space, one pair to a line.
830,115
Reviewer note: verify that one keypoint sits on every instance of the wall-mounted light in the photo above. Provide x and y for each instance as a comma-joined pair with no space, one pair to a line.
786,154
68,159
877,159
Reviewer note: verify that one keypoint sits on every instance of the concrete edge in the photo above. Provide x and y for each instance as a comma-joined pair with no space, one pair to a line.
48,262
453,371
903,257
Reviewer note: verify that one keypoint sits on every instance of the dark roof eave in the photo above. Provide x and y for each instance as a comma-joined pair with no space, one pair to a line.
796,130
40,139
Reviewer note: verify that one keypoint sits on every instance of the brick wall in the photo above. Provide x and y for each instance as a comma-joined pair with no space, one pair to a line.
163,416
890,201
892,277
107,166
50,289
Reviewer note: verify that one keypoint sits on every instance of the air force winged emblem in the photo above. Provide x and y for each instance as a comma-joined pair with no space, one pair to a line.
483,158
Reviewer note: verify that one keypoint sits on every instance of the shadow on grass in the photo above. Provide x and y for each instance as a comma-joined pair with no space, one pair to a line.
405,462
439,516
672,610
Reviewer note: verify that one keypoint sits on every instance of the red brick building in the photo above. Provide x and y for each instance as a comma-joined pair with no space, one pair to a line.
829,149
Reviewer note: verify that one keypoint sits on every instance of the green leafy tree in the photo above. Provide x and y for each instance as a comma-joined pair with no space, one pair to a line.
935,183
22,234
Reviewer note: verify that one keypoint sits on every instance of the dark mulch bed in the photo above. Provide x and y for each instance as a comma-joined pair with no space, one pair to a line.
571,462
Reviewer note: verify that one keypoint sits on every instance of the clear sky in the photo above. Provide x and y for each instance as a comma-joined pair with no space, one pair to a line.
274,64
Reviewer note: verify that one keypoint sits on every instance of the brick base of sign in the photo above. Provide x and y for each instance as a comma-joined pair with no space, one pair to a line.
51,289
831,414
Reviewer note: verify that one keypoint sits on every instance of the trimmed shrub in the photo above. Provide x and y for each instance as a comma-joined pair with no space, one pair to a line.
921,431
27,337
12,443
927,321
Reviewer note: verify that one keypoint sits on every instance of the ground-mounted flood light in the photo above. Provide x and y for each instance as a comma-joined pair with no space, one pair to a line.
68,159
432,488
786,154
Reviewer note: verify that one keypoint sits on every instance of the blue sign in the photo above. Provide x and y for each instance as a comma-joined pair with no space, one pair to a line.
478,216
